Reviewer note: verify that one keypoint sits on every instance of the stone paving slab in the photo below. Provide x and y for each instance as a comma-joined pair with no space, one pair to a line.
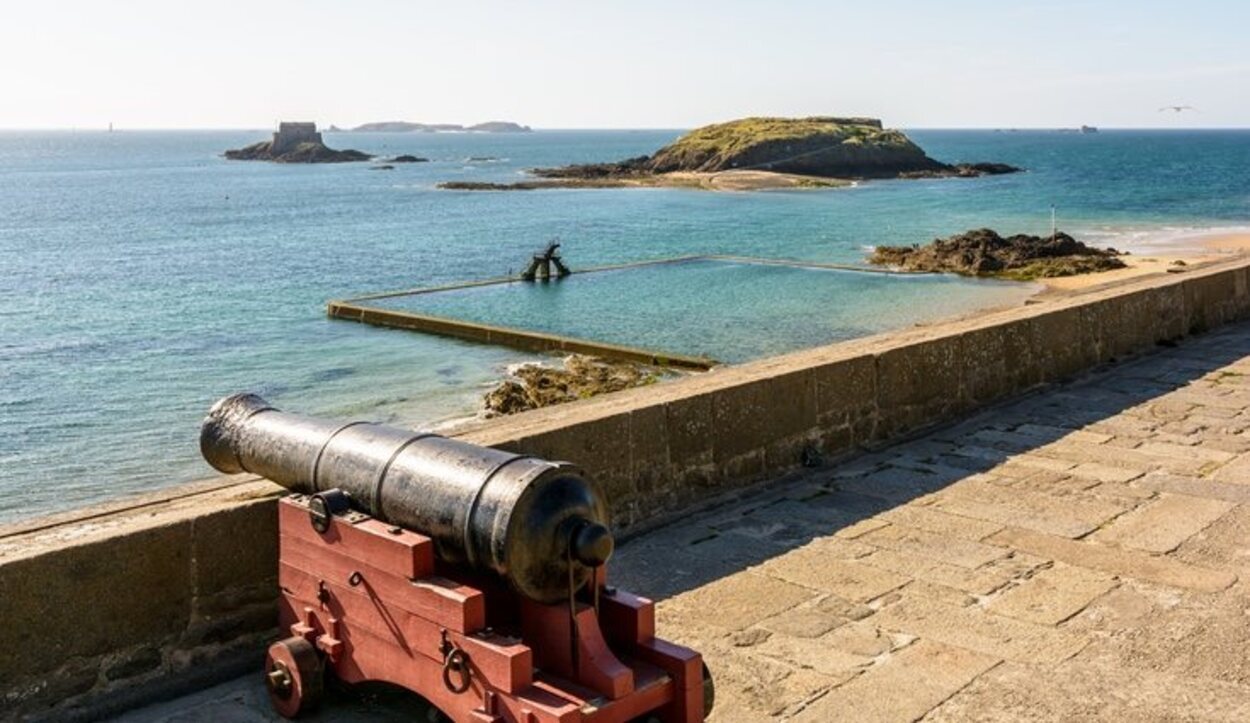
1080,554
1161,525
1016,692
915,681
1052,595
1127,563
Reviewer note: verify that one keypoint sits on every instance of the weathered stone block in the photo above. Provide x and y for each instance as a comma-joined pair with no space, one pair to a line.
138,661
1241,292
648,448
1125,563
752,415
970,628
689,424
1052,595
1059,344
92,599
1093,317
1162,525
223,627
34,695
1133,322
919,384
235,547
1170,313
845,391
999,361
841,439
598,445
905,687
741,469
1210,300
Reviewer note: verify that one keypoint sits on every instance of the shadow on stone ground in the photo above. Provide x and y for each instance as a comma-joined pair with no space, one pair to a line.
1094,450
245,700
772,519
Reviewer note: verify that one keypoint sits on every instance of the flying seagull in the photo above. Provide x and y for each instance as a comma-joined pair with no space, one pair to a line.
1178,108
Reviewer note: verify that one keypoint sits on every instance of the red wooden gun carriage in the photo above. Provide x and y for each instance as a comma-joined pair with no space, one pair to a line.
470,576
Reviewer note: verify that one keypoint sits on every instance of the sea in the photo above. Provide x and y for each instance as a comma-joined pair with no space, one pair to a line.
142,276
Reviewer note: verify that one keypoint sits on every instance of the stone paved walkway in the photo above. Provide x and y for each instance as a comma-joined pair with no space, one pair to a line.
1077,555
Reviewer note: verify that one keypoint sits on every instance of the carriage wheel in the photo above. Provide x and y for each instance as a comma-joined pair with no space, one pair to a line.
295,677
709,692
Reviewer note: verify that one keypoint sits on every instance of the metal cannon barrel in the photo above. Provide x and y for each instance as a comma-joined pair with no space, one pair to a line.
540,525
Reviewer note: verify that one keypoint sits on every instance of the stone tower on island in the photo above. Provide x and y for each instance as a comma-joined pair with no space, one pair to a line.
290,135
295,143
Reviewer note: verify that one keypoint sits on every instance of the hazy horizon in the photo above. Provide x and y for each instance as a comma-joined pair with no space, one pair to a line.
644,65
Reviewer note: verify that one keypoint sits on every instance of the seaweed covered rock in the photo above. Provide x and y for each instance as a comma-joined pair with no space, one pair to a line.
639,166
983,252
533,386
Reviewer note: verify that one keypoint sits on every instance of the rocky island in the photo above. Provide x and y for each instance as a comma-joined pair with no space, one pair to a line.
295,143
983,252
753,153
410,127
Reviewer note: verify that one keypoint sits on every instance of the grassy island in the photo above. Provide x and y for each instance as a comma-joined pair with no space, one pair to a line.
761,153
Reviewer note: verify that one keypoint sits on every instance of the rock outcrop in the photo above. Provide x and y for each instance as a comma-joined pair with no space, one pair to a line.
824,147
408,159
295,143
532,386
410,127
982,252
965,170
499,127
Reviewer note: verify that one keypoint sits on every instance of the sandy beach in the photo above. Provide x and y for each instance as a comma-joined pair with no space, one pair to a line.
1181,254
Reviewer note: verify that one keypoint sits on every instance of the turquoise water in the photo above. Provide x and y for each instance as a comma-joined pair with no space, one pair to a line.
724,310
142,276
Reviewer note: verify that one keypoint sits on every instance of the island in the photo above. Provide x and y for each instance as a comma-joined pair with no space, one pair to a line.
498,127
410,127
759,153
295,143
983,252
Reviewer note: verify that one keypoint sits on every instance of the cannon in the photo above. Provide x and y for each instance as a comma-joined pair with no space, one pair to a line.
472,576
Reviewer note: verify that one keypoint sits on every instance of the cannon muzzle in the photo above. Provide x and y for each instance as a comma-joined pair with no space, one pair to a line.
537,524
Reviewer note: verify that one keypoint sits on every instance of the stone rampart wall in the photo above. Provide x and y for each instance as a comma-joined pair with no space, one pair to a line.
107,606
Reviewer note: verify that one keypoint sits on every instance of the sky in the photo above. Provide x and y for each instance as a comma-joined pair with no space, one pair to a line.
635,64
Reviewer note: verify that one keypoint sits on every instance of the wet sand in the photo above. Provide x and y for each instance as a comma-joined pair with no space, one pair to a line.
1183,253
736,180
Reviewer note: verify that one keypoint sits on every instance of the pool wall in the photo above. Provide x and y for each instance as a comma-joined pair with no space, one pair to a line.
360,309
116,604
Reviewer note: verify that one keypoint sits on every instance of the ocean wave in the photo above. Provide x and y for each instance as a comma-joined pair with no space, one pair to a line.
1154,239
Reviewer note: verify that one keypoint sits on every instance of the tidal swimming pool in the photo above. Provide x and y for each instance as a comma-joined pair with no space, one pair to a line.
728,310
